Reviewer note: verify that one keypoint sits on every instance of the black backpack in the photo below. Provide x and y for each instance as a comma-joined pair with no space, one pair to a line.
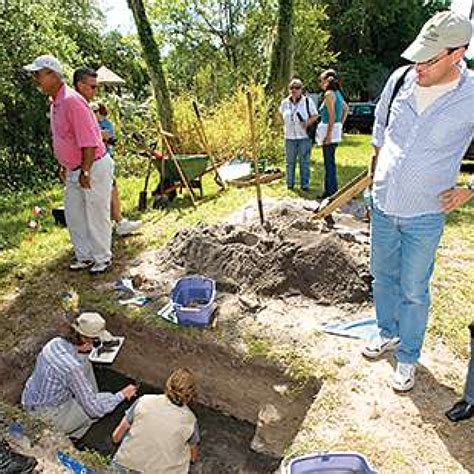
311,130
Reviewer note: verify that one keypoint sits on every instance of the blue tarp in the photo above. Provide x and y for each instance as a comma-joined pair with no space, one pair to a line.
360,329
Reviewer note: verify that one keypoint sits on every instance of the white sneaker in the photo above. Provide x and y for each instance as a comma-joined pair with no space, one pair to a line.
379,345
404,377
125,227
80,264
99,268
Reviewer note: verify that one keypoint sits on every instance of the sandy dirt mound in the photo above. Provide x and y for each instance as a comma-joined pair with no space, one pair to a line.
291,254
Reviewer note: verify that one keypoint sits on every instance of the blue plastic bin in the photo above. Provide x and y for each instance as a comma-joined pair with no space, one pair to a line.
330,463
193,300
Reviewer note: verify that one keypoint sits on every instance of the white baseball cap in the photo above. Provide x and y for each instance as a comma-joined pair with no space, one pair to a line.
92,325
444,30
46,61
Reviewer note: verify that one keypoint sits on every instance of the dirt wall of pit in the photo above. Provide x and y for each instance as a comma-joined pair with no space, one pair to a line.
253,390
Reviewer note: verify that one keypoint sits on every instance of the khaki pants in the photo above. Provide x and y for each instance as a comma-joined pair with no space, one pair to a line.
87,212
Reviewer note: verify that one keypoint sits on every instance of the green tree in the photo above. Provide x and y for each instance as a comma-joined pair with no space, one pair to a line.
69,29
152,56
370,35
281,60
122,54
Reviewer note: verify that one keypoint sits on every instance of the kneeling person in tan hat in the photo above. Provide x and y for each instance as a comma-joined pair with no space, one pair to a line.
62,388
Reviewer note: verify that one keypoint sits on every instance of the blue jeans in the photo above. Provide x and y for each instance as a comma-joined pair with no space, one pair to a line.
402,260
293,149
330,178
469,389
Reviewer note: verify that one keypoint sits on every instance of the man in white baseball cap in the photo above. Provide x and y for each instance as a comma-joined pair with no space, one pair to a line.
78,146
46,61
424,124
63,388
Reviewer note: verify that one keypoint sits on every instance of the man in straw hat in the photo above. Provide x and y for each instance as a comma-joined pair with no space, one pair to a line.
417,157
63,388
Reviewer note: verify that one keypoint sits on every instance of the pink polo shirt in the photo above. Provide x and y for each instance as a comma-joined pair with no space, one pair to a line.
74,127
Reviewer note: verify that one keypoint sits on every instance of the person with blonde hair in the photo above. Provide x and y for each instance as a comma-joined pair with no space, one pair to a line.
159,434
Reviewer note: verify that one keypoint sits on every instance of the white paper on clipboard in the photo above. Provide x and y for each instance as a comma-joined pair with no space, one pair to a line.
107,357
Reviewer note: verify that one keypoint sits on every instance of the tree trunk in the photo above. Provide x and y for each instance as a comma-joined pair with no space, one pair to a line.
152,56
281,61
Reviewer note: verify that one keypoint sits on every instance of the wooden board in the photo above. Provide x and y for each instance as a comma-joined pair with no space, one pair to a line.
251,181
344,195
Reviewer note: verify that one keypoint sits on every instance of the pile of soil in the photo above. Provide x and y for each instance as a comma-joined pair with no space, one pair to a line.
291,254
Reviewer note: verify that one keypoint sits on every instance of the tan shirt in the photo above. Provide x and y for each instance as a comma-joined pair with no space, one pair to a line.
157,442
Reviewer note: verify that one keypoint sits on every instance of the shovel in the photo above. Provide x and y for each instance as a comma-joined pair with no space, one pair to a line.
142,197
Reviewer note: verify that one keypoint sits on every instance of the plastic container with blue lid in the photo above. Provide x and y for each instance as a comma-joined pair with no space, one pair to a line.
330,463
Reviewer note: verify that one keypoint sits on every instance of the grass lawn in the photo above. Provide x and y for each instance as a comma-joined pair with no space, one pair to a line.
29,257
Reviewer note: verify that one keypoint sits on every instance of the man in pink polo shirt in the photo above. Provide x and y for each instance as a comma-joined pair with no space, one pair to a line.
78,147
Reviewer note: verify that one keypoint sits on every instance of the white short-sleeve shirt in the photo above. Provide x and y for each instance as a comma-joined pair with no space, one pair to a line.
292,125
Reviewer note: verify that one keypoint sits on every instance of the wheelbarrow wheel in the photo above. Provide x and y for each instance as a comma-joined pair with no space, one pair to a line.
160,201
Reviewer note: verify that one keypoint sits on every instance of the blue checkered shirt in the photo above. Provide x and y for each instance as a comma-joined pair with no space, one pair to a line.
420,154
58,376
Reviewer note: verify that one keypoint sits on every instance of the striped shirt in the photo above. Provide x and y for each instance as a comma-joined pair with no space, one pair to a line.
421,153
58,376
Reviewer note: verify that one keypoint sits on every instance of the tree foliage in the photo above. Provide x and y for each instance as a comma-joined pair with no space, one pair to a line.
281,60
207,49
152,56
370,35
70,30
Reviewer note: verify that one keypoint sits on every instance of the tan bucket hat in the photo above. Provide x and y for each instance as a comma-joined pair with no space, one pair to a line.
92,325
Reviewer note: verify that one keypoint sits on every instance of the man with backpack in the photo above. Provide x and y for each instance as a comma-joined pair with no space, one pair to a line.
418,153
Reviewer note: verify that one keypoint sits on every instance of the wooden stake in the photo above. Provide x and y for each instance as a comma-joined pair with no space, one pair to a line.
165,136
203,138
345,194
255,157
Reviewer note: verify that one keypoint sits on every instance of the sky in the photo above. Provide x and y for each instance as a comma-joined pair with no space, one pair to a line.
118,16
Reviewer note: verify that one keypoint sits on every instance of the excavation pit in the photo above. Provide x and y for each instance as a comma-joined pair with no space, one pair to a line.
248,387
225,445
276,284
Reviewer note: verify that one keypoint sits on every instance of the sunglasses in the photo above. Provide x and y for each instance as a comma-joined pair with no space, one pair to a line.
92,86
434,61
295,88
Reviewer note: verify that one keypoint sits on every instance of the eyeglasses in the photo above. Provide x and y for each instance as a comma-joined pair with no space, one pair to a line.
295,88
434,61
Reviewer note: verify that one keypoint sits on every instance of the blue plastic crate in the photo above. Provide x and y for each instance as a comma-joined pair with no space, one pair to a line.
330,463
193,300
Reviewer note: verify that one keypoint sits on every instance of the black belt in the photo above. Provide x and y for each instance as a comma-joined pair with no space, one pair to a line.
97,159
